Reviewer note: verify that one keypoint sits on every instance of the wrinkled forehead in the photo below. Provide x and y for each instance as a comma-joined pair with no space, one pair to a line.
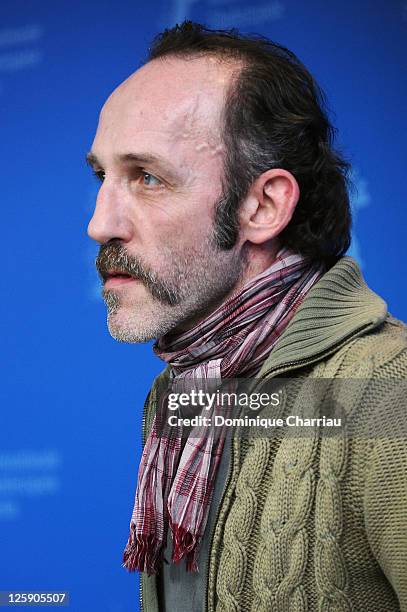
170,99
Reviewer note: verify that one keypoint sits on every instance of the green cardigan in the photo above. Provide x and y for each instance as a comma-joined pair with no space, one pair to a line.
317,523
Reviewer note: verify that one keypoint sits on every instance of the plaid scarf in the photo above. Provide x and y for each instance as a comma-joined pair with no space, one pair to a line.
176,480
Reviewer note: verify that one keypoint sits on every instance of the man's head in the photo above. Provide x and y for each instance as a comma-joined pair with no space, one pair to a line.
212,156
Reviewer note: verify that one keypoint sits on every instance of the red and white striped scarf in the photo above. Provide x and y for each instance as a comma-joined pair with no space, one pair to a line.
175,480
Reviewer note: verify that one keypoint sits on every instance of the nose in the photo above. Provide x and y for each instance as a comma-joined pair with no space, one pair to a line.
110,219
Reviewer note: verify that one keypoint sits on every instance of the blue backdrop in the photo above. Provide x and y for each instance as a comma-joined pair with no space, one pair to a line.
71,398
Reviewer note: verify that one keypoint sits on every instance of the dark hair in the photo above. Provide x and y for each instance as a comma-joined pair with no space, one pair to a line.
274,117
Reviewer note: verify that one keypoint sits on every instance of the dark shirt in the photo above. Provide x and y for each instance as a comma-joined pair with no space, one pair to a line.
185,591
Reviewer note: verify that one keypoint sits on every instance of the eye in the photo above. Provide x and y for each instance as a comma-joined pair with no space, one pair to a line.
150,180
100,175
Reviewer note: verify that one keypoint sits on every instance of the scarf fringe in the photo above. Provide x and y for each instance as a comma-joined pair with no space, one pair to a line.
185,545
143,553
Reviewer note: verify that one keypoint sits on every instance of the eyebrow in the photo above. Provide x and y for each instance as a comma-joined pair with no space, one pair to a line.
141,159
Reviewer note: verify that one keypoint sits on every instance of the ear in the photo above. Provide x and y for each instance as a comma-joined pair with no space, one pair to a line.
269,206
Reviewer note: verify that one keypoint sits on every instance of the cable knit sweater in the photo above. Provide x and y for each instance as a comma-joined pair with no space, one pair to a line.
317,523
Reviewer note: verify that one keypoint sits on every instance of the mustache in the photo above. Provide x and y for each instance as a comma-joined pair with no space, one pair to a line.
113,256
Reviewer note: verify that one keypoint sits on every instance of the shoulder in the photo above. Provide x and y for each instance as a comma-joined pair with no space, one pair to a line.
369,380
380,352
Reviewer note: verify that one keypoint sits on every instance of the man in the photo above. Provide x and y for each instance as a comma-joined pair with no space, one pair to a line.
223,217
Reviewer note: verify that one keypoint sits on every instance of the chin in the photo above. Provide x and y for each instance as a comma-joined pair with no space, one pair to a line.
127,327
144,322
126,331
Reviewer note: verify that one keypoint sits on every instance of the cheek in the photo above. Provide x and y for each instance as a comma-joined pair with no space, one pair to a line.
190,235
199,214
176,219
185,228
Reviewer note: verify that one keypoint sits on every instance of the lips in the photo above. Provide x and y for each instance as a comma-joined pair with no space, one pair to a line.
117,277
115,273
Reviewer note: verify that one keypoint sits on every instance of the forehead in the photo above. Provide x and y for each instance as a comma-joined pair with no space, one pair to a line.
168,102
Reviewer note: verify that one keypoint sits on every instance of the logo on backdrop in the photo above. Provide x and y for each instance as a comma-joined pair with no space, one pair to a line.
359,199
224,13
27,474
20,48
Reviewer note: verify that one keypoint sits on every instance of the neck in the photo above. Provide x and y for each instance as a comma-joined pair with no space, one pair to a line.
256,259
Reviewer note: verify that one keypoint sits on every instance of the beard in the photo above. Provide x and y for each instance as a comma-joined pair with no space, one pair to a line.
179,290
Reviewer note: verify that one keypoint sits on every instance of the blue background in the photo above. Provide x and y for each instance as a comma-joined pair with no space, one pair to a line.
71,396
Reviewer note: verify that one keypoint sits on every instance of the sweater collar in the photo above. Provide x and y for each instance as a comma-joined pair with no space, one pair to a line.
340,306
